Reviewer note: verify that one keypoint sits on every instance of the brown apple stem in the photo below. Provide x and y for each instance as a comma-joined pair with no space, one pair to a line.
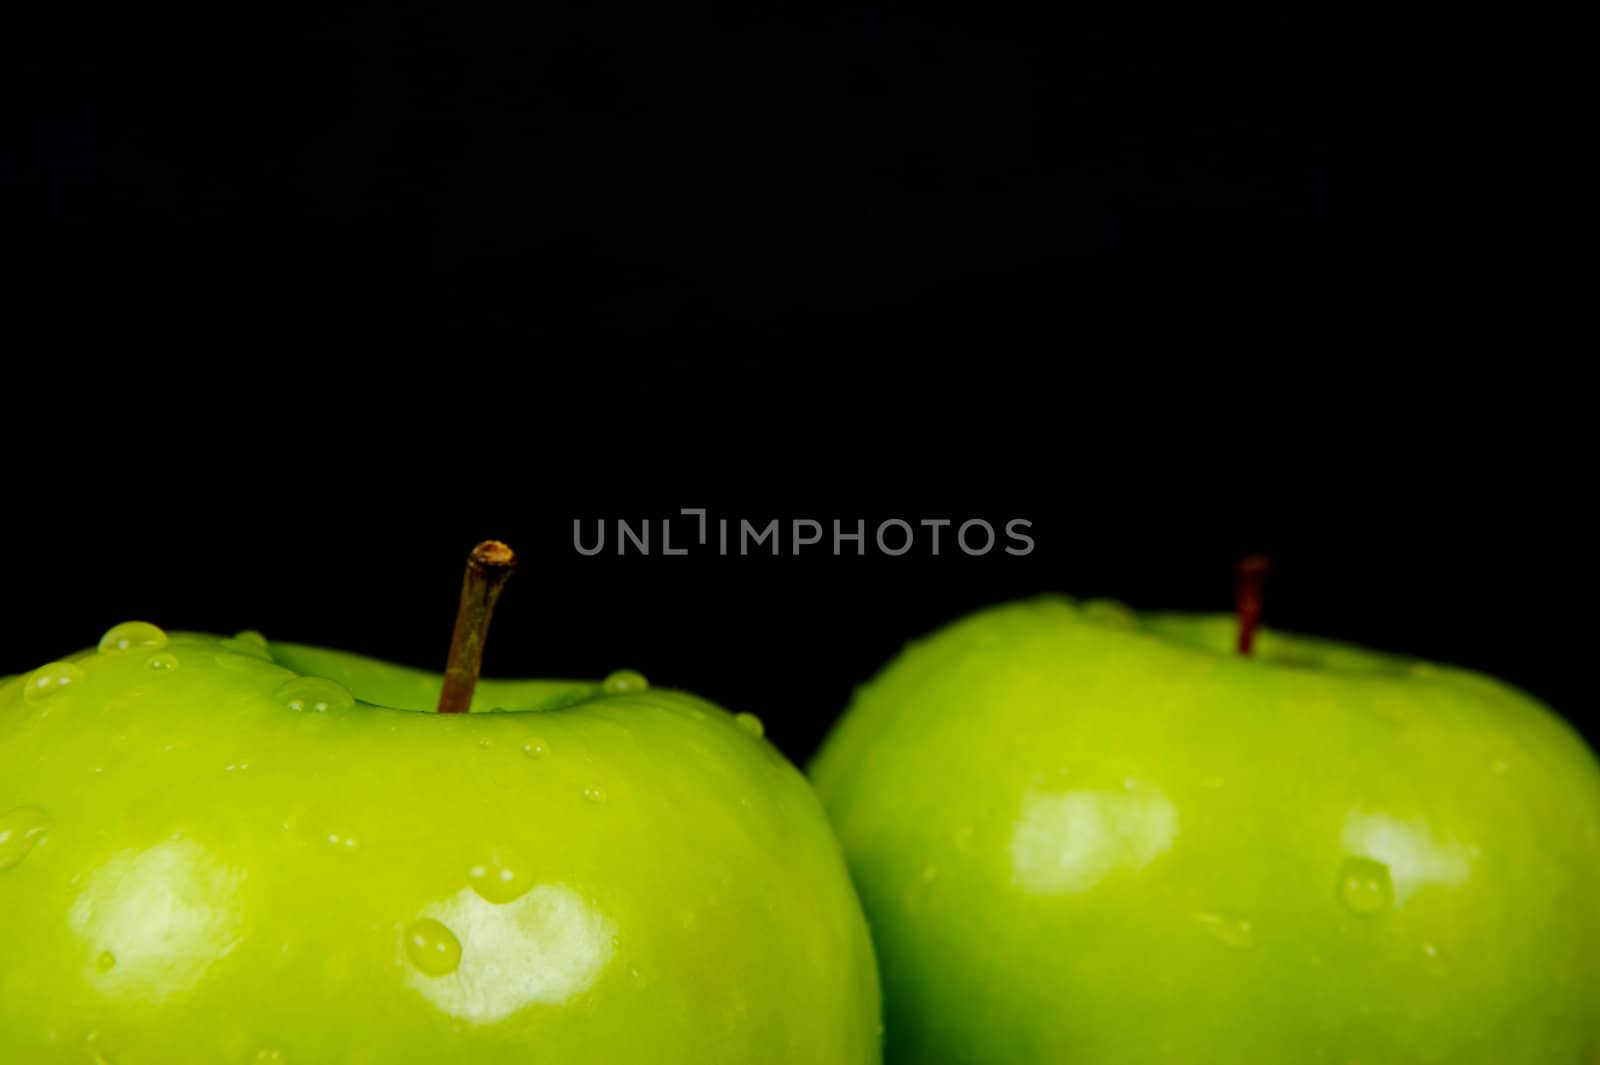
1247,599
490,563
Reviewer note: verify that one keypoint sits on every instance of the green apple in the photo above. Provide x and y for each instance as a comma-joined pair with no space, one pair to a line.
218,851
1087,836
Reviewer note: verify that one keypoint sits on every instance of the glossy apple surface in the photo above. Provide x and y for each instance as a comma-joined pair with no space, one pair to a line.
210,855
1085,836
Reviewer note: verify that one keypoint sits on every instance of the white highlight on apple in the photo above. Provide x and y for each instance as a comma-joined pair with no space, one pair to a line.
1414,857
160,917
543,947
1067,842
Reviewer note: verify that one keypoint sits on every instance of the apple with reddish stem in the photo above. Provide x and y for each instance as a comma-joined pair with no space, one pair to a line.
228,851
1083,834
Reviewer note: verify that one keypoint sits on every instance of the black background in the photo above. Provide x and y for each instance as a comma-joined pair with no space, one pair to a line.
300,310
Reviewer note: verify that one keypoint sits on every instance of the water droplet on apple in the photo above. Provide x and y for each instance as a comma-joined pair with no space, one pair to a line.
595,795
20,832
315,694
624,681
751,724
162,660
132,636
499,883
270,1056
1234,932
536,748
105,962
1365,886
432,947
49,679
1430,950
248,642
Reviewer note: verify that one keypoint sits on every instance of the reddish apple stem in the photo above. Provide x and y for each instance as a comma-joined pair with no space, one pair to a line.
490,563
1247,599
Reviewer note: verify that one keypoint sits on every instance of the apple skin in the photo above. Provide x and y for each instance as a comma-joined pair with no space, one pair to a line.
1087,836
205,867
